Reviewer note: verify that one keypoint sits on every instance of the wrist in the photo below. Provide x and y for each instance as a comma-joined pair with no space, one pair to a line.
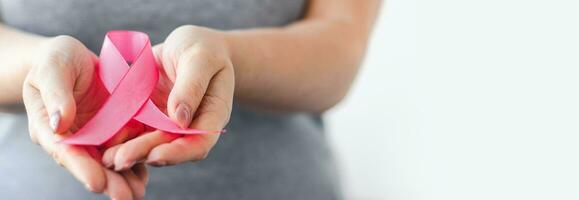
33,47
16,66
229,39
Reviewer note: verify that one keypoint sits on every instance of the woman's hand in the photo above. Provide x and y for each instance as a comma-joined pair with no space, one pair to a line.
196,87
61,93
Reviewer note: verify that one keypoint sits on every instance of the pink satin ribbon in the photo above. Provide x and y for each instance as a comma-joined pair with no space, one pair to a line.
130,88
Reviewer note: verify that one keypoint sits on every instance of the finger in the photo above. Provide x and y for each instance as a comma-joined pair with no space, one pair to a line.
128,132
187,148
194,70
109,156
34,109
80,163
158,53
55,80
74,158
137,149
135,183
118,138
213,114
117,186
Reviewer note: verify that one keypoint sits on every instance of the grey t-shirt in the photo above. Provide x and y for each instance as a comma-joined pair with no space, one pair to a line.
262,156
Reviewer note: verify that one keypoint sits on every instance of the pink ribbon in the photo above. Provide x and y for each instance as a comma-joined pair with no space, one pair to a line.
130,88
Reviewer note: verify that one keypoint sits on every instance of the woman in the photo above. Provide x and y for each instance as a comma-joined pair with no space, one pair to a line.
287,61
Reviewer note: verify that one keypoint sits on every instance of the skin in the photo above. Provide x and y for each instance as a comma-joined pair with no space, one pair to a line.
307,66
63,62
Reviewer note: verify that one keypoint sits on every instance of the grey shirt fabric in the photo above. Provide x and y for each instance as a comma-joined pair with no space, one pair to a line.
262,156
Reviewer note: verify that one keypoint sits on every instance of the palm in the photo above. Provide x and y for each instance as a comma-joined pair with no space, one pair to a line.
88,102
161,92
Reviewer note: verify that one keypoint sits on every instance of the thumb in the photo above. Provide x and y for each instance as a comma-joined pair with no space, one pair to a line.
62,65
66,73
193,74
55,85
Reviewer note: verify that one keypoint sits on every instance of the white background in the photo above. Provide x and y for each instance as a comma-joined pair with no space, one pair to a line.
463,99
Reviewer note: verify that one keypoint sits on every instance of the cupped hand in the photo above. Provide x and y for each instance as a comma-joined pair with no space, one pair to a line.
196,88
61,93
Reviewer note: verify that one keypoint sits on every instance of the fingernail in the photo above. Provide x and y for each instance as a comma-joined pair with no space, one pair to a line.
183,114
125,166
108,164
157,163
129,165
55,120
118,168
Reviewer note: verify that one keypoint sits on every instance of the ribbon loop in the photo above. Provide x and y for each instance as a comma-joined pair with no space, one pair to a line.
130,86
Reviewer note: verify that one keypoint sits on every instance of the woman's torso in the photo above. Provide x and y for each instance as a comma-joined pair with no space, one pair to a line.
262,156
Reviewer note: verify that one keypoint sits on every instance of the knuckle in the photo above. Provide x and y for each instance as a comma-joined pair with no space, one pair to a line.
187,28
54,62
56,157
54,59
64,38
208,53
195,54
65,42
57,51
196,32
58,45
187,32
